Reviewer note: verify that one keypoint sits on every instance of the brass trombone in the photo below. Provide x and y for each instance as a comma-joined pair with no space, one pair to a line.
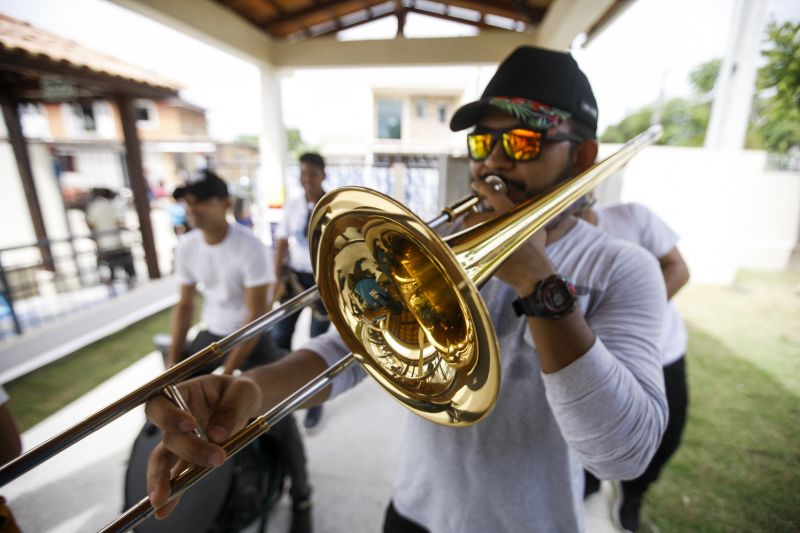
405,301
164,383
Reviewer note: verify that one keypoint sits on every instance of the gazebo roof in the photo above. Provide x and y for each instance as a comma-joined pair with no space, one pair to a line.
34,62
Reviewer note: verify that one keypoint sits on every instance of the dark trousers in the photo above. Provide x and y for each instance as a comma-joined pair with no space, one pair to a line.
284,330
394,522
678,402
121,258
285,432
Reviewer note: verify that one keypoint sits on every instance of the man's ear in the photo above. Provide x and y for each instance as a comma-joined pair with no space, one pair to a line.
585,155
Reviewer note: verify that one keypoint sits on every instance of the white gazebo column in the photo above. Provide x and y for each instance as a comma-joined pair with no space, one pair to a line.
272,138
566,19
727,127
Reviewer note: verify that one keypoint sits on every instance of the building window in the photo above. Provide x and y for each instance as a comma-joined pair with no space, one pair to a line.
146,114
442,110
390,113
420,108
84,115
66,163
142,113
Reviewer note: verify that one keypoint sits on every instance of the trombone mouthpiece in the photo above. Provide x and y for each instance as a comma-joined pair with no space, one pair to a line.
496,183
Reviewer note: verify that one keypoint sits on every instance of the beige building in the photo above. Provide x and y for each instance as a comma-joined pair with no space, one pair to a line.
85,141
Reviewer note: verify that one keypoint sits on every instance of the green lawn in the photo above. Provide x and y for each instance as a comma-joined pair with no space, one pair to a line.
739,466
37,395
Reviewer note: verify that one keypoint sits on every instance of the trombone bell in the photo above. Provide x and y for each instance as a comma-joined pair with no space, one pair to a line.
397,295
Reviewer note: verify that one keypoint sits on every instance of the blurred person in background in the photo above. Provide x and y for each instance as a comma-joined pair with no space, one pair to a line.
293,260
105,218
638,224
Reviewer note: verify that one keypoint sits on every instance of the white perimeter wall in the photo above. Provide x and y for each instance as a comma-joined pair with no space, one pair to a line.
731,213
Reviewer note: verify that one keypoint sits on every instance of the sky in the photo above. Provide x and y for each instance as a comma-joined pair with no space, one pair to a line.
651,47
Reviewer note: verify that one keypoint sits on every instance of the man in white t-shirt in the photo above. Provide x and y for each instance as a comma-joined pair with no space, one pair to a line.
581,374
293,260
636,223
232,268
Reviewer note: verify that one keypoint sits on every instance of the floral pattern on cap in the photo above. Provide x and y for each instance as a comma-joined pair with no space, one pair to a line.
530,112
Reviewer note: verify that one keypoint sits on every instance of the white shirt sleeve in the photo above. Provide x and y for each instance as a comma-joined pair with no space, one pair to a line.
282,231
330,347
658,238
182,269
610,403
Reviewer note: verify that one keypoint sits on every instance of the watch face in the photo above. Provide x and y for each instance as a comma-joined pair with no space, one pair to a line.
558,295
553,297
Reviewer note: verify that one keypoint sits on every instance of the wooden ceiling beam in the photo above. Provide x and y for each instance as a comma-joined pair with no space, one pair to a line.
355,24
517,10
400,12
477,23
276,6
294,21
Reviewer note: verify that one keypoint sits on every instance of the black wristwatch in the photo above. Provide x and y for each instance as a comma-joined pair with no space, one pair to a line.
553,297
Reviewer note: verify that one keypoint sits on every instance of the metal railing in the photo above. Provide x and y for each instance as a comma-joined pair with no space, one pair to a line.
420,181
48,279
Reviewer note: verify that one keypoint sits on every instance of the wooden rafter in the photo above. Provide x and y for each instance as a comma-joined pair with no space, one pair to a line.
400,13
297,20
477,23
357,23
516,10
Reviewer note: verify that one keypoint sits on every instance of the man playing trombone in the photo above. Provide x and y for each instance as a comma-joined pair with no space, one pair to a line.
576,313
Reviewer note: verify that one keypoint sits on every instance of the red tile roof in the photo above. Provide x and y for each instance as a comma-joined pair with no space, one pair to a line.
19,36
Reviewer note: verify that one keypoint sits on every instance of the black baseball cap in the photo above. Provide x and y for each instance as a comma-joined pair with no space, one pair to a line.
204,186
540,87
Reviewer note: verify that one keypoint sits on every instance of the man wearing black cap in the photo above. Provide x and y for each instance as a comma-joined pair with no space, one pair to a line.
577,315
231,265
234,269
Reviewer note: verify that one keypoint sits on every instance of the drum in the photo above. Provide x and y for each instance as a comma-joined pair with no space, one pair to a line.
228,499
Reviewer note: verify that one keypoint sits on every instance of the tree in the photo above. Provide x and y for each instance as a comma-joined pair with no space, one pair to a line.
295,144
704,77
684,119
249,139
776,114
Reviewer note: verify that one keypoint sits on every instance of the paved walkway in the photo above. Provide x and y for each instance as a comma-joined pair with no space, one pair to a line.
352,459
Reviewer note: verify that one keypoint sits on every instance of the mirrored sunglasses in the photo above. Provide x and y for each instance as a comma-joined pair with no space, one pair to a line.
519,144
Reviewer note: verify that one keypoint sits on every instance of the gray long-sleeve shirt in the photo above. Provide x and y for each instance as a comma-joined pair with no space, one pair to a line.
519,469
